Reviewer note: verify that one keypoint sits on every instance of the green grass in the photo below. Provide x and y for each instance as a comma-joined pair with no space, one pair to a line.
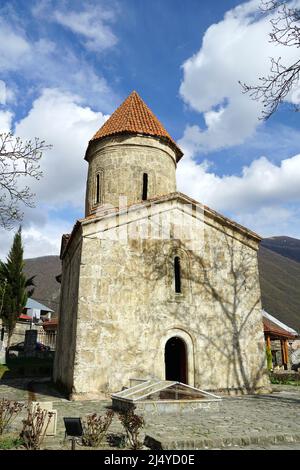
9,441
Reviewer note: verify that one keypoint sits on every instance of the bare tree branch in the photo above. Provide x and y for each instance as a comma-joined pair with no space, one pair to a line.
18,159
274,88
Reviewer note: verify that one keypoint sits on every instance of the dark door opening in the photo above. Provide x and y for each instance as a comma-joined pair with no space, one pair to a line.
176,360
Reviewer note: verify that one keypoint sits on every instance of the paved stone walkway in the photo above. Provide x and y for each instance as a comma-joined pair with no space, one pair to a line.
252,422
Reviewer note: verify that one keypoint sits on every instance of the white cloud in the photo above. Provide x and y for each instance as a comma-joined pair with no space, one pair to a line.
5,121
91,23
236,48
38,239
270,221
262,188
14,47
64,122
261,183
61,120
2,92
46,240
48,63
7,95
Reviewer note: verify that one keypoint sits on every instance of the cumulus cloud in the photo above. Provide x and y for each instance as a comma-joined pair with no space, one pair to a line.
236,48
14,46
38,239
47,63
270,221
62,121
92,24
5,121
263,188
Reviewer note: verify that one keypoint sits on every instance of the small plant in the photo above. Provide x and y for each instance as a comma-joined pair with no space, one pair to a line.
269,358
95,427
35,427
275,380
8,412
132,424
10,442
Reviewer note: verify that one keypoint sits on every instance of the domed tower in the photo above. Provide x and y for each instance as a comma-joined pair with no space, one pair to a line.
131,156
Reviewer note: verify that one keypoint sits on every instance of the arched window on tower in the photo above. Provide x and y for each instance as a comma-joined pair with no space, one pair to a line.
145,187
177,275
97,189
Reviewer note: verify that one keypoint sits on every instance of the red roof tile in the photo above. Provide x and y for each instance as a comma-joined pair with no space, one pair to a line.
134,117
276,331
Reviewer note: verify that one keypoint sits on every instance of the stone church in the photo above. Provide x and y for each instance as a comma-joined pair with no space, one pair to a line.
154,284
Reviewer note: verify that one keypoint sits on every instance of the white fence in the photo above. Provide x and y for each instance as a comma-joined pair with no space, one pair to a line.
46,338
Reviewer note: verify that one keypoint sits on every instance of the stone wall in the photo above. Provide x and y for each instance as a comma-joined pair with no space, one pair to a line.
121,161
67,328
127,308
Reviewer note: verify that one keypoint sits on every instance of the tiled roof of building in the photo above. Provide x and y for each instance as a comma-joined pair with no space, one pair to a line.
134,117
274,330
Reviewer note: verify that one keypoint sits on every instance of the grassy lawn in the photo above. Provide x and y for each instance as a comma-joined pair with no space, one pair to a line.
27,367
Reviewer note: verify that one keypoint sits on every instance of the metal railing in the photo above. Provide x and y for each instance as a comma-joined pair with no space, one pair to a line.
47,338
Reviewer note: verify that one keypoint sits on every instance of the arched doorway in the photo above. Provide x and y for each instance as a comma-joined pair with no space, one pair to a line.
176,360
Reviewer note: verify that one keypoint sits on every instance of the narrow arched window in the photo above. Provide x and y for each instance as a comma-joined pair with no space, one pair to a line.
145,187
177,275
98,189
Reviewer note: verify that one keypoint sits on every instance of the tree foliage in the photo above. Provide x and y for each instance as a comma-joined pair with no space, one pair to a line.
19,159
274,88
14,284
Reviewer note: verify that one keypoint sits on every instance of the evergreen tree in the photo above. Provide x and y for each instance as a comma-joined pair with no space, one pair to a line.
14,285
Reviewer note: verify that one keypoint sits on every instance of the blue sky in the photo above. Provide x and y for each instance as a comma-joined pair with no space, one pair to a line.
66,65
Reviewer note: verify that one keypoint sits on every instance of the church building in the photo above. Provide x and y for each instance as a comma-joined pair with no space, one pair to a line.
154,284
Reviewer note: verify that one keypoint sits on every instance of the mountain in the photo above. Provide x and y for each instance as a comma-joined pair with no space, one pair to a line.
280,286
47,288
285,246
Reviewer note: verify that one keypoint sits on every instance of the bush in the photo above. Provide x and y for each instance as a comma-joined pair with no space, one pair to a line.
284,380
8,412
269,358
132,424
95,427
35,427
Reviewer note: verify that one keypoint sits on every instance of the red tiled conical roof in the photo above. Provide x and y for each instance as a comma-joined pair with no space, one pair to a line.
134,117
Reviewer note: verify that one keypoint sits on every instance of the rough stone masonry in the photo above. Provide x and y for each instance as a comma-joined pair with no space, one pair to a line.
154,284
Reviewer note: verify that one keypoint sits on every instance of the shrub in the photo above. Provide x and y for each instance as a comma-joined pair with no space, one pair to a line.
8,412
269,358
35,427
132,424
284,380
95,427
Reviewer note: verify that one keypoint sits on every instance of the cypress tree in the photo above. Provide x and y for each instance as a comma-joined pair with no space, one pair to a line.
15,285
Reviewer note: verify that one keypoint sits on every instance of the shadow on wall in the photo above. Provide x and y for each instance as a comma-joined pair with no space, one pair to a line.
227,277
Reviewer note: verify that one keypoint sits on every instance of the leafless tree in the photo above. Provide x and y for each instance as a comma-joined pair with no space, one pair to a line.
274,88
18,159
